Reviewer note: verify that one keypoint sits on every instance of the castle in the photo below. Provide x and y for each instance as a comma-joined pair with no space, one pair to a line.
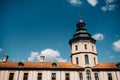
84,63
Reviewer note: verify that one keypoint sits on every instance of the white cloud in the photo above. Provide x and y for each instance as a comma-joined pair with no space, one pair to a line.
33,56
50,55
93,2
1,49
98,36
75,2
109,1
109,5
116,46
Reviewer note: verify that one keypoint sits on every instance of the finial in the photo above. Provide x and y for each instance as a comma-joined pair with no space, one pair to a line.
80,17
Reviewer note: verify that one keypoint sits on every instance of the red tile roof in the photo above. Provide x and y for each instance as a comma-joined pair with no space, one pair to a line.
48,65
60,65
106,65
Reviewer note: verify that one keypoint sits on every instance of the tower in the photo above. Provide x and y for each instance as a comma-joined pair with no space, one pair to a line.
83,47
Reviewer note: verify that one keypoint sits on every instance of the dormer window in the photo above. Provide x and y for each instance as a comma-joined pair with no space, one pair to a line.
118,65
54,65
20,64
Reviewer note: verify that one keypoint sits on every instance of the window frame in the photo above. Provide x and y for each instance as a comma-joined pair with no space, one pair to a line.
53,76
77,60
109,76
80,76
76,47
86,59
11,76
25,76
39,76
88,75
85,46
96,76
54,64
94,60
67,76
93,48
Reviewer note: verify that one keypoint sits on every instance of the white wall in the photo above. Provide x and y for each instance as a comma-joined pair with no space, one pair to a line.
60,75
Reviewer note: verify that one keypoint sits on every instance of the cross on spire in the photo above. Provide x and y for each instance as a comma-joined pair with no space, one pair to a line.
80,15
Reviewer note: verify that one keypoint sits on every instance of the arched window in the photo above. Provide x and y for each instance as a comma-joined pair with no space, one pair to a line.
94,61
54,65
96,76
118,65
88,75
86,59
76,47
93,48
20,64
80,76
77,61
85,46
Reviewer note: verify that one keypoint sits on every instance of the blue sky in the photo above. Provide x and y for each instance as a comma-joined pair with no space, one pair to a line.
30,28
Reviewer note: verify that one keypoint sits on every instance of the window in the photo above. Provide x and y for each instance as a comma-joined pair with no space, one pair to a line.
76,47
77,60
85,46
94,61
25,76
109,76
118,65
54,65
96,76
93,48
67,76
53,76
80,76
86,59
39,77
11,76
20,64
88,75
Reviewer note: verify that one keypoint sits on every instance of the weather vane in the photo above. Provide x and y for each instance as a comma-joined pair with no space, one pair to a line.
80,15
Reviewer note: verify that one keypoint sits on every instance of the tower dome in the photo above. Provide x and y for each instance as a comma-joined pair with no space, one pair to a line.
81,33
83,47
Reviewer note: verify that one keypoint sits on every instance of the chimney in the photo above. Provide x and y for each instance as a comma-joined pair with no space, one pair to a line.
42,58
5,58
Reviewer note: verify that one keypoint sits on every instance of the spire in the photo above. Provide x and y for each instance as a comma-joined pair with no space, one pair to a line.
81,32
80,15
80,23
